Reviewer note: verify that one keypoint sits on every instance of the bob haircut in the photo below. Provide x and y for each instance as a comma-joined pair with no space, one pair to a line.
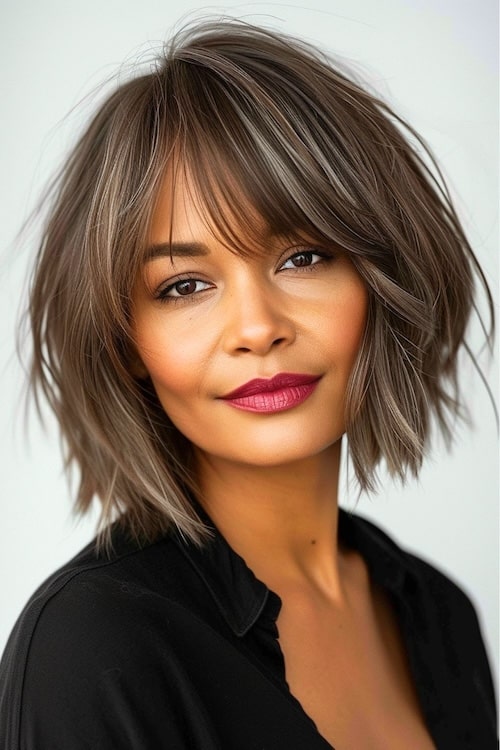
259,120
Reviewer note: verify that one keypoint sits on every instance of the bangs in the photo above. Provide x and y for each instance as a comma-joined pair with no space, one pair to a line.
254,166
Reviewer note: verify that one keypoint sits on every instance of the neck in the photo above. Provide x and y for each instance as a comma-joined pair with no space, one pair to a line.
282,519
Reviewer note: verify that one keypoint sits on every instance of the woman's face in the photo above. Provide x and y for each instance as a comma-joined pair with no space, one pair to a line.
208,321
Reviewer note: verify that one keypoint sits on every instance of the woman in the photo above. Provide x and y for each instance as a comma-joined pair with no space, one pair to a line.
245,261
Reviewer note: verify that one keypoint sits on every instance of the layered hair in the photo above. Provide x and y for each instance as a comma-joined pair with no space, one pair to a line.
258,119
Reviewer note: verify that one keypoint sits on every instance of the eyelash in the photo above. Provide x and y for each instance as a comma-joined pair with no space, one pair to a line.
323,256
163,294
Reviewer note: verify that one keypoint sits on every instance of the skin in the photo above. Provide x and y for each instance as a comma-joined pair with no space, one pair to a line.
269,481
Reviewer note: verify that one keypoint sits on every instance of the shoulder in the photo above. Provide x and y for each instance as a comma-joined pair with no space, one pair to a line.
440,612
432,580
432,583
86,590
79,648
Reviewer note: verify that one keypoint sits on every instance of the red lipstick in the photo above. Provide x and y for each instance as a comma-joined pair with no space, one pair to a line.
283,391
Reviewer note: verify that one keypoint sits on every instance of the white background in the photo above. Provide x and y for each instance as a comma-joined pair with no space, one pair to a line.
435,61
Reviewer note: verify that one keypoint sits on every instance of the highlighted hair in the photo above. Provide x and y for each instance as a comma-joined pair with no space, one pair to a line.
312,152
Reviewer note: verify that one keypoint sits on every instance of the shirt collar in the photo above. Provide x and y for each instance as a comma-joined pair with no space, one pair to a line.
241,597
388,564
238,594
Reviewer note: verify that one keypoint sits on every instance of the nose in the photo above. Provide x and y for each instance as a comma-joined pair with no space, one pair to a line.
256,320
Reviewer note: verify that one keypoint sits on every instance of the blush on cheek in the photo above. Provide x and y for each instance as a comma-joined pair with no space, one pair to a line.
350,318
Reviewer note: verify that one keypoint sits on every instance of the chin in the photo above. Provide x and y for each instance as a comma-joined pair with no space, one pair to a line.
273,454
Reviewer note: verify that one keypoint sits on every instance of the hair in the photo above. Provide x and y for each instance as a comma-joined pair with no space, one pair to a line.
311,151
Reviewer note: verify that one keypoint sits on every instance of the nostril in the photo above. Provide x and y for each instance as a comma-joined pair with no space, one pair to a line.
257,329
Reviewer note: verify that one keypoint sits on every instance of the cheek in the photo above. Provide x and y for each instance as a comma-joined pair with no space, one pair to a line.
171,359
167,374
347,322
158,351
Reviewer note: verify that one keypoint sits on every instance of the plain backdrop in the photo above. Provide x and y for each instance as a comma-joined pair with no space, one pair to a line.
435,61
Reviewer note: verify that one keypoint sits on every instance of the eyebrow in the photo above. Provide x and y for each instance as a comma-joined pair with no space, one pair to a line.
179,249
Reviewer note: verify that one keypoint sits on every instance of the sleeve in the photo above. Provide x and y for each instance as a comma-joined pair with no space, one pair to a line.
87,675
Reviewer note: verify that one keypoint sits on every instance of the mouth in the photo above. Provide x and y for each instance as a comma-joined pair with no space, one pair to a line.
279,393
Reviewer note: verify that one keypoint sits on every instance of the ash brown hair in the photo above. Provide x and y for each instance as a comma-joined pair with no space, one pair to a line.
311,152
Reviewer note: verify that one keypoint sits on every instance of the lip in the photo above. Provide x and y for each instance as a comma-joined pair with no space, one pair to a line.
279,393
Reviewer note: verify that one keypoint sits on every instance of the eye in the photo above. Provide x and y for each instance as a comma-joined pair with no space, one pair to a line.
183,288
304,259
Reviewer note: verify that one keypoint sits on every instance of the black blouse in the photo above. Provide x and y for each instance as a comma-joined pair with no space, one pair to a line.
171,646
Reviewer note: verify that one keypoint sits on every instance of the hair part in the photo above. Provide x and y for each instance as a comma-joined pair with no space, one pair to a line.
257,119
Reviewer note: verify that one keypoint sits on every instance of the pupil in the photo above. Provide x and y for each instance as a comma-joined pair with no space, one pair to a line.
303,259
186,287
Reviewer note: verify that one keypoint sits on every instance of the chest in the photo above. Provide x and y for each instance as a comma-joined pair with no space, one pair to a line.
348,670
